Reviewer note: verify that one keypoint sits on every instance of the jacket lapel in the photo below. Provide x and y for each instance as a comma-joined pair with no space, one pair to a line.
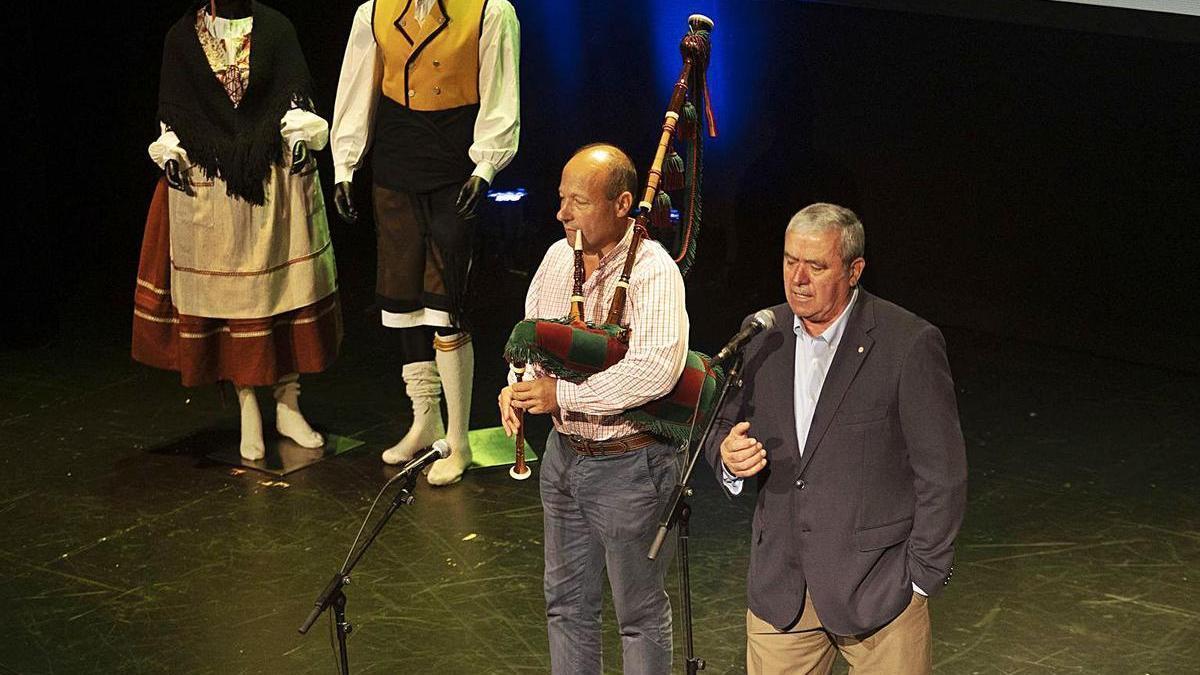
851,353
432,26
401,22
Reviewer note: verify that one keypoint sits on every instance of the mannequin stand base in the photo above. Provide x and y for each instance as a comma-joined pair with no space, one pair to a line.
284,456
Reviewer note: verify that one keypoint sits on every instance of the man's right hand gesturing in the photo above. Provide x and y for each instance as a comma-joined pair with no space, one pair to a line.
742,455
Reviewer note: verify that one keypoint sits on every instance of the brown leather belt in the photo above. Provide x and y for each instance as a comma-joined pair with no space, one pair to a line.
613,446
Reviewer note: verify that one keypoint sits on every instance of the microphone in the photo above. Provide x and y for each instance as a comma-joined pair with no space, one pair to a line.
439,450
763,319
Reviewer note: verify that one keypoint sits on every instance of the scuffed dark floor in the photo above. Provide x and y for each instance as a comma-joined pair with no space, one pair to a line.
123,553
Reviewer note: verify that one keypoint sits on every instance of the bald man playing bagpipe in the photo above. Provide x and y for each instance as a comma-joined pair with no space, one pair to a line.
604,480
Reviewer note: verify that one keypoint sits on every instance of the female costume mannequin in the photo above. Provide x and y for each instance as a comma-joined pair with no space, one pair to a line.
237,279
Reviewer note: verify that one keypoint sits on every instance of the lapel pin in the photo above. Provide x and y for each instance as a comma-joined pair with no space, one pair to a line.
860,349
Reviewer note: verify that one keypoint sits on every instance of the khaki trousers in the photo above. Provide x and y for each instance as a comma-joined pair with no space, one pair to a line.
902,647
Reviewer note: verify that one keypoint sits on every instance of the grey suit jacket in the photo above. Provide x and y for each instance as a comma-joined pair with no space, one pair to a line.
876,500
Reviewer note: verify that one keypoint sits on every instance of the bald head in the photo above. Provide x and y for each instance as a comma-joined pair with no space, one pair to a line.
594,195
617,173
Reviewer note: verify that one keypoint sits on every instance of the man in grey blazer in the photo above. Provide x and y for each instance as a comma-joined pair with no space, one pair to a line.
848,423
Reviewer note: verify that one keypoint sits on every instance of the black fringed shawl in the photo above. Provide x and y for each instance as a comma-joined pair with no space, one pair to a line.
238,144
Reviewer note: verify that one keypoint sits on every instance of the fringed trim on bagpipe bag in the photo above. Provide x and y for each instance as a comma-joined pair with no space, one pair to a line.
572,353
694,396
565,351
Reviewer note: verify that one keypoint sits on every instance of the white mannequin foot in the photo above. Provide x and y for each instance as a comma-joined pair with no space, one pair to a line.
252,446
450,470
418,437
289,421
424,388
292,424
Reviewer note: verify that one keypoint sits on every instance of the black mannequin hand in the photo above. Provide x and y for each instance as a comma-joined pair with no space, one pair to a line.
344,202
470,195
300,157
174,176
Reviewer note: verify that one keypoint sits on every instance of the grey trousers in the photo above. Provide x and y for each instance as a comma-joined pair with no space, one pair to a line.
602,513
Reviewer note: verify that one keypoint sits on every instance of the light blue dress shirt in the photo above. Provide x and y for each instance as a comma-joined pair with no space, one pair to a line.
813,358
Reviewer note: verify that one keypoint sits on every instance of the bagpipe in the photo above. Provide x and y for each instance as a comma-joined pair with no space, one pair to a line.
571,348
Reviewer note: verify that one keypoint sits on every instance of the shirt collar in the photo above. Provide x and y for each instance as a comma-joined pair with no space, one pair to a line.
423,7
833,333
621,246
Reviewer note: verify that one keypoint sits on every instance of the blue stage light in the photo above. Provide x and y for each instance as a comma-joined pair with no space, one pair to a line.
514,195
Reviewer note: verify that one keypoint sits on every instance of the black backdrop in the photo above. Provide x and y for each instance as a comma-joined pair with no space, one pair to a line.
1036,181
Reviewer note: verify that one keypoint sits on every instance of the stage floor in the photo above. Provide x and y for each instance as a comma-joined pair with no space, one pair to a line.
125,551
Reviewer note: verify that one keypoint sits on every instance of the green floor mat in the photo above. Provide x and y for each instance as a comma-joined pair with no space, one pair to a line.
490,447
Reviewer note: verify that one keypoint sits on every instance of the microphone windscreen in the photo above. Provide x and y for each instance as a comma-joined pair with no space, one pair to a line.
442,448
765,318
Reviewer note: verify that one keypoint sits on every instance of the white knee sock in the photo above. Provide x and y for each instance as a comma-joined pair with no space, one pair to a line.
252,446
424,389
456,362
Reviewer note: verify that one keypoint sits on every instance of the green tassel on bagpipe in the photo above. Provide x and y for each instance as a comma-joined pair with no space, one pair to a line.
689,208
673,172
660,218
688,125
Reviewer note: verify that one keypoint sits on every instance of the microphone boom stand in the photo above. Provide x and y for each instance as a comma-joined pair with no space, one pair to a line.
334,596
678,510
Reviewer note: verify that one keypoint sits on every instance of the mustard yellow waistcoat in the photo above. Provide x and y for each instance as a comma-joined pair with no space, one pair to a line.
432,64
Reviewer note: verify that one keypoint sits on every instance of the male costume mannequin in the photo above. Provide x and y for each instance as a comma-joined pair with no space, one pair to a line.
232,285
447,72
